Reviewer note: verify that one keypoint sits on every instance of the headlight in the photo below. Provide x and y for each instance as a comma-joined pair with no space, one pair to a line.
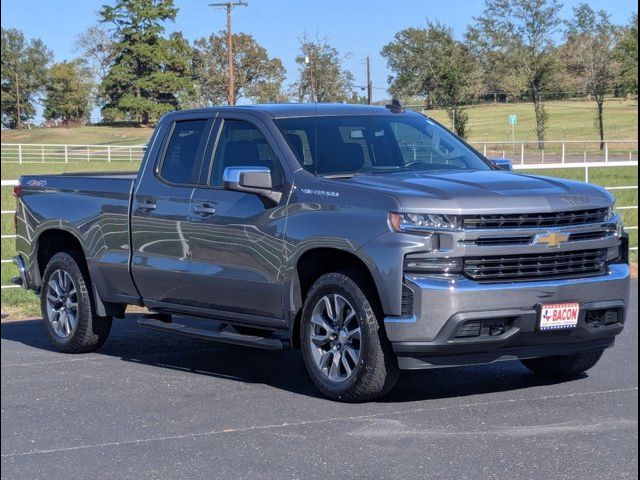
613,211
423,263
423,222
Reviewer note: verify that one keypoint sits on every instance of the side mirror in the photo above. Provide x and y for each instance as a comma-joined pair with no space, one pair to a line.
502,164
250,180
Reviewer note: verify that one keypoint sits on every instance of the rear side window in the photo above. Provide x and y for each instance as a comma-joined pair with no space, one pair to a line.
181,163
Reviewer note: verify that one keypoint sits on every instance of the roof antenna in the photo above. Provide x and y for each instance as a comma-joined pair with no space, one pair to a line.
395,106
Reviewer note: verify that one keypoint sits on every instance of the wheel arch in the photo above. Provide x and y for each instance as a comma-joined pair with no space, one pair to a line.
55,240
48,243
315,262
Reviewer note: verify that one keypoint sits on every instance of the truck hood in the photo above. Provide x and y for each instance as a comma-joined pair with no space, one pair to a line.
484,192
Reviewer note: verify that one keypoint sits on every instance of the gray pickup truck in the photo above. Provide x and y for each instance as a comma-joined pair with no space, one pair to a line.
371,238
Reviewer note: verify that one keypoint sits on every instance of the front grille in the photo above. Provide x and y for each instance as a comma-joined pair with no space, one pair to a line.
582,236
498,241
534,220
537,266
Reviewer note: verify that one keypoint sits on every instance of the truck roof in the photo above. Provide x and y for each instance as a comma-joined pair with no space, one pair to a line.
288,110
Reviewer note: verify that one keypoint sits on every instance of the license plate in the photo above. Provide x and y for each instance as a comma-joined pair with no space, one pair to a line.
559,316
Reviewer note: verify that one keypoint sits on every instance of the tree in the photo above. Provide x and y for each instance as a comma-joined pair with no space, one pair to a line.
431,63
322,77
627,56
24,67
517,37
68,91
257,76
589,55
150,74
97,47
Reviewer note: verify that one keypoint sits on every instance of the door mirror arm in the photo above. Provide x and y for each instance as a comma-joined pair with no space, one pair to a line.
502,164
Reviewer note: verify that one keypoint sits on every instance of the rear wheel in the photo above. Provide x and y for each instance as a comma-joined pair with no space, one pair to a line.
345,350
563,365
68,309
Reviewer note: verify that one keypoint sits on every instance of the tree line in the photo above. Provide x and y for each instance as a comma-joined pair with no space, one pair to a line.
128,67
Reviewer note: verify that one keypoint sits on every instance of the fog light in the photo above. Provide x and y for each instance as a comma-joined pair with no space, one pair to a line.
470,329
599,318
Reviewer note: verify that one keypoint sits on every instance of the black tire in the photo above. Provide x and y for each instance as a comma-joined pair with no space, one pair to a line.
563,365
90,331
376,372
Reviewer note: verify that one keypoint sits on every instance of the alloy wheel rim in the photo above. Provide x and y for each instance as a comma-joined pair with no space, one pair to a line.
335,338
62,303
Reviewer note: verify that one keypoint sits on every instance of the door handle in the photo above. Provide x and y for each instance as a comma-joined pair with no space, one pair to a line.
204,210
147,206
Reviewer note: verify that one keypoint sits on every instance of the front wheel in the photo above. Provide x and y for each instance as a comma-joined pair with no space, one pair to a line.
67,305
345,350
563,365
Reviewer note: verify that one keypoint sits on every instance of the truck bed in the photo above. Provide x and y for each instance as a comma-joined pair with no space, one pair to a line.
94,208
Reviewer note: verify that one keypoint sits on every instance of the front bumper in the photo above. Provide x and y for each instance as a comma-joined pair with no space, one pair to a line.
443,305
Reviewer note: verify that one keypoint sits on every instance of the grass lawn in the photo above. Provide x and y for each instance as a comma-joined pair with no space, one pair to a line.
90,135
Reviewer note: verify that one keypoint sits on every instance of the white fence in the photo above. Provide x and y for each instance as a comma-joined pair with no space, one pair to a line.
522,152
46,153
561,151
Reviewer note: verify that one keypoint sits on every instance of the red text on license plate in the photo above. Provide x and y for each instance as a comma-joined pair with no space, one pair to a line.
559,316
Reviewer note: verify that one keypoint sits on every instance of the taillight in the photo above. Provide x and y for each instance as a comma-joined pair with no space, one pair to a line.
17,191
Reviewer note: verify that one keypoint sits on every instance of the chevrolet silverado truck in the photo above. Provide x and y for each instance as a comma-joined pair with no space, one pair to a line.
370,238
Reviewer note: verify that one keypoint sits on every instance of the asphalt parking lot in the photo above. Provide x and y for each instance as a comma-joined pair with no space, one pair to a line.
150,405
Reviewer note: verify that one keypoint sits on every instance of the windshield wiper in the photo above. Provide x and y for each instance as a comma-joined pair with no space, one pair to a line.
386,170
339,176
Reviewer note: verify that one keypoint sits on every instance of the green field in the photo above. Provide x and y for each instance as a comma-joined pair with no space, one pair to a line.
575,120
90,135
569,120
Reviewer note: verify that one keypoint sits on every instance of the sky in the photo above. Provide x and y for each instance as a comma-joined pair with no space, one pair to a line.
357,28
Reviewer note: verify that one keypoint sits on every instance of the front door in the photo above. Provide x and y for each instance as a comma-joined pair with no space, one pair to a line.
237,238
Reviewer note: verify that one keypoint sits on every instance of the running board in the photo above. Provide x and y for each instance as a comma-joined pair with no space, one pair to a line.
222,333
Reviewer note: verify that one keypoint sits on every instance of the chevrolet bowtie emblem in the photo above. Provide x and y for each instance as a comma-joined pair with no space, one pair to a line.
553,239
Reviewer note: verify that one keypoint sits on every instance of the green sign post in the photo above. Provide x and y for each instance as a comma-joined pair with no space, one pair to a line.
513,121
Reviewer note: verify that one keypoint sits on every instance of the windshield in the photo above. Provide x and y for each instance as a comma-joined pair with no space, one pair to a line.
376,144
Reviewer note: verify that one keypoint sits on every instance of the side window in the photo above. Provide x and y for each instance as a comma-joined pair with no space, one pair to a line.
415,146
418,146
181,162
241,144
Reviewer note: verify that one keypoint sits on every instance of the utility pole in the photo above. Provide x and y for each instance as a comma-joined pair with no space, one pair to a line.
231,92
308,60
18,106
369,84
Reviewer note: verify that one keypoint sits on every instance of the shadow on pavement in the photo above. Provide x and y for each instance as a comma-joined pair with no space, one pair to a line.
283,370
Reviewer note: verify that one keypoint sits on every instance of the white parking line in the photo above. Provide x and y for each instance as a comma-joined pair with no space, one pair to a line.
50,362
309,422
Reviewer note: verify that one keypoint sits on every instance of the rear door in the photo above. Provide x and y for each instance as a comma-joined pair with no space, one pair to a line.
161,212
237,238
